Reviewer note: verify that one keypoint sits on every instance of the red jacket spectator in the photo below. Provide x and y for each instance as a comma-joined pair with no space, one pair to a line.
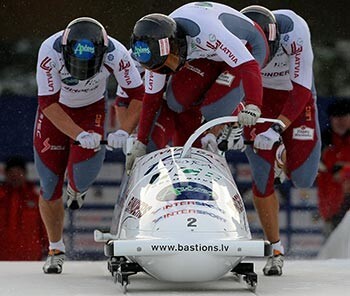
335,164
22,232
330,187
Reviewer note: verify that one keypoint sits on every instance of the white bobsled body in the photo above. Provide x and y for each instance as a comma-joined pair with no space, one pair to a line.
182,218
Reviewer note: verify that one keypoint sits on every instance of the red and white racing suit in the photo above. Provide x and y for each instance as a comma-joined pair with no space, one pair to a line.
84,102
289,90
220,72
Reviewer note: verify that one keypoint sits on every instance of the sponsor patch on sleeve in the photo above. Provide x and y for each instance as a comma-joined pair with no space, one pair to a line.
303,133
225,78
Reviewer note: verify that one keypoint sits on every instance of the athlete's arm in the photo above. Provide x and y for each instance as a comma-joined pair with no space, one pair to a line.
300,54
129,116
49,86
62,121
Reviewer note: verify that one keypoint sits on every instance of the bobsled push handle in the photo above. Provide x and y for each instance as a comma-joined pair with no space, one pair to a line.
186,152
102,142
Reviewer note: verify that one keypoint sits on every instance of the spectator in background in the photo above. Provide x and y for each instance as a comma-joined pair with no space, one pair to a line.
334,176
22,232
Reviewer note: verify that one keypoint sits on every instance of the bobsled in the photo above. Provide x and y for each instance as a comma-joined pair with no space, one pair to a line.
180,217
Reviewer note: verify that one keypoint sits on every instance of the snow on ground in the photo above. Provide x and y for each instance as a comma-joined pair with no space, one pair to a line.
82,278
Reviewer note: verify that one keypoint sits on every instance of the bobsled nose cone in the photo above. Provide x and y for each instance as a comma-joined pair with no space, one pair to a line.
188,268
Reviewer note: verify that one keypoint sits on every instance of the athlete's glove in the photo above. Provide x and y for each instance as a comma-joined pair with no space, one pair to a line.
137,150
249,115
118,139
267,139
89,140
209,143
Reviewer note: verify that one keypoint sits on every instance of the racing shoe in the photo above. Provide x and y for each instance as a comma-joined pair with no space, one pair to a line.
75,199
279,173
54,262
274,264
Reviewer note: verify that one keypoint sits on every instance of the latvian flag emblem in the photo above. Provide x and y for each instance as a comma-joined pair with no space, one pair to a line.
164,46
272,32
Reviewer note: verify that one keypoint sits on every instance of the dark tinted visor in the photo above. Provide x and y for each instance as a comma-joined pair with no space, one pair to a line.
148,53
83,69
83,59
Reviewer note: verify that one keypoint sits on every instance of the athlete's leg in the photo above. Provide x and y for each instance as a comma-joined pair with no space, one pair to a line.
163,129
303,147
224,95
187,88
52,214
203,88
265,199
85,164
51,149
186,123
268,209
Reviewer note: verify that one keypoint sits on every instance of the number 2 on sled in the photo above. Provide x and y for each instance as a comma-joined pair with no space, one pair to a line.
191,222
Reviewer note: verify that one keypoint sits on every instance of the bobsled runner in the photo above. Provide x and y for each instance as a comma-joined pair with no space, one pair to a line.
179,217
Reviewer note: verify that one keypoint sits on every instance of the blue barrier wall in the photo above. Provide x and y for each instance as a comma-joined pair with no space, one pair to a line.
17,116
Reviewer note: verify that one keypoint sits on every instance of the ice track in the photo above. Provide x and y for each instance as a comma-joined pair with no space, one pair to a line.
81,278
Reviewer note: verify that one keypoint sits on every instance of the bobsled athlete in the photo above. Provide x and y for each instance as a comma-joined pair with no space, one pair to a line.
72,71
288,95
198,56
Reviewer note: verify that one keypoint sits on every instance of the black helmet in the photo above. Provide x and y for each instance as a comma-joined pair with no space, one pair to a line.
154,38
267,21
84,44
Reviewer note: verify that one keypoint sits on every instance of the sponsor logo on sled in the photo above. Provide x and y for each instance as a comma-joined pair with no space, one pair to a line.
137,207
187,212
187,203
190,248
185,191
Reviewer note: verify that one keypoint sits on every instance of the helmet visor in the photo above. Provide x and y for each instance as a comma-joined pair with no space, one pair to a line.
83,69
149,54
162,57
83,59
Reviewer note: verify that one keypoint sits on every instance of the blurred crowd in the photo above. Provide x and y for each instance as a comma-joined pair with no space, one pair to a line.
23,236
333,182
